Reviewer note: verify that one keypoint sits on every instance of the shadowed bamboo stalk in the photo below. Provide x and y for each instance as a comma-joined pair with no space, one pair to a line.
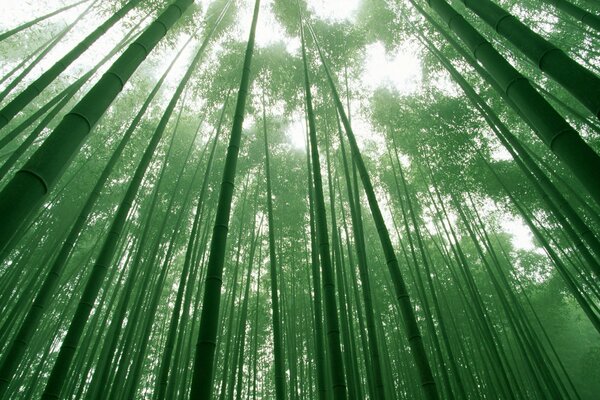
35,88
163,375
68,91
26,190
229,314
43,53
410,321
278,351
582,83
203,371
104,260
554,200
242,328
521,154
581,15
550,126
64,96
320,359
336,363
34,21
361,253
15,353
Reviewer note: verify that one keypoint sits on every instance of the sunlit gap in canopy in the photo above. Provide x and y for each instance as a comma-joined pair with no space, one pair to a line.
268,32
334,9
296,131
400,70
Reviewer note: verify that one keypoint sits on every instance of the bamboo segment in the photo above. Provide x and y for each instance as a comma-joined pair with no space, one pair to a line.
35,88
24,193
551,128
203,373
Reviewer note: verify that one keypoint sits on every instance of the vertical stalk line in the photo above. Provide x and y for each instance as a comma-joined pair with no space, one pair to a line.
244,312
165,364
104,260
549,125
203,371
37,86
151,311
136,279
228,314
30,186
337,267
63,98
29,326
583,84
336,364
320,359
34,21
412,329
55,41
278,351
359,309
419,277
376,374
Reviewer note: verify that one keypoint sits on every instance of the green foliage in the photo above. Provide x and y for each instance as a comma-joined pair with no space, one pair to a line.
505,297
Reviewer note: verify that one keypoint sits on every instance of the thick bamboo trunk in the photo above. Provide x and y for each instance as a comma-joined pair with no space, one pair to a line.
550,126
202,380
35,88
28,188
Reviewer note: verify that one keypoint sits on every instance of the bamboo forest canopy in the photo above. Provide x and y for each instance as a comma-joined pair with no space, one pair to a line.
300,199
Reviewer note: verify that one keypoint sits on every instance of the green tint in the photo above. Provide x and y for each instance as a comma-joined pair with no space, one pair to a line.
405,205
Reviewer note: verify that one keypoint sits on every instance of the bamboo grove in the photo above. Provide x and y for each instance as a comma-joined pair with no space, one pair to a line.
291,199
